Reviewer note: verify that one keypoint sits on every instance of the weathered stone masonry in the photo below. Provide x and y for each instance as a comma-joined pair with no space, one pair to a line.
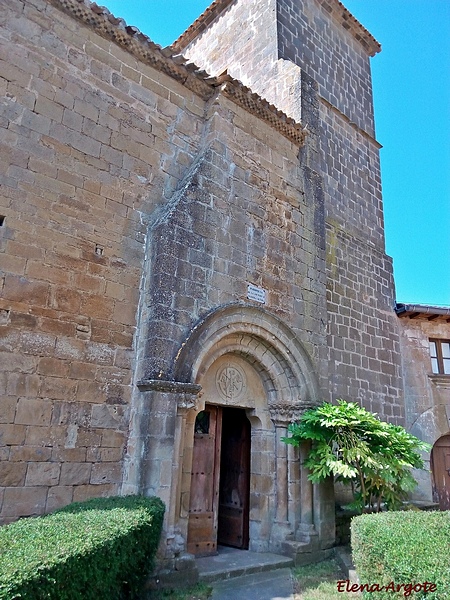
317,68
150,204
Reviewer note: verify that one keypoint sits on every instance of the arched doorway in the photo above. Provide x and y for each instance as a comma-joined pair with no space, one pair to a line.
247,361
220,480
440,469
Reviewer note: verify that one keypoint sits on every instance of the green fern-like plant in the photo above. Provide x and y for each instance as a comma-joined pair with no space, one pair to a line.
356,447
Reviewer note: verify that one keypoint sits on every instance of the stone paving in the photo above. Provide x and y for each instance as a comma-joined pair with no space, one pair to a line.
266,585
247,575
244,575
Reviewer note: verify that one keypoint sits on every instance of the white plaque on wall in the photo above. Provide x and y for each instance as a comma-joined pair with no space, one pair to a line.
256,293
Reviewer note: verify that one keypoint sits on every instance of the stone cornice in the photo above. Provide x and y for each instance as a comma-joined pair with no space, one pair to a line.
335,8
442,381
167,61
251,102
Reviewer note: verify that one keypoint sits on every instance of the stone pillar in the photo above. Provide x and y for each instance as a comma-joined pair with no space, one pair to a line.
286,467
306,531
281,474
168,403
294,486
306,487
324,513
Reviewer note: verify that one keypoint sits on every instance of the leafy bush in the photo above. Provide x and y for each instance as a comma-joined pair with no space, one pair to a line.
403,548
352,444
101,548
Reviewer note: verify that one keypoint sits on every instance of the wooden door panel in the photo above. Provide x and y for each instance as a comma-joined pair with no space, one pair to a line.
202,525
440,468
231,526
234,491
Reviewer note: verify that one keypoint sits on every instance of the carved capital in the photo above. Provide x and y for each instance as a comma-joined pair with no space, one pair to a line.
288,413
185,393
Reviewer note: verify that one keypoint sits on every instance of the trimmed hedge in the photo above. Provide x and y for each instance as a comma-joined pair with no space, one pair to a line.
405,548
101,548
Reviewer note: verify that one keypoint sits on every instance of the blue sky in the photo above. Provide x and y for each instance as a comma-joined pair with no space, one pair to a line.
411,78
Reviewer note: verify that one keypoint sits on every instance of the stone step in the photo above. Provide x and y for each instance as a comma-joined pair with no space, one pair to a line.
344,560
230,563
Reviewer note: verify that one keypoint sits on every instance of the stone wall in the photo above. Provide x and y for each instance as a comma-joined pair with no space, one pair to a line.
427,395
133,207
243,41
315,34
329,56
245,214
87,155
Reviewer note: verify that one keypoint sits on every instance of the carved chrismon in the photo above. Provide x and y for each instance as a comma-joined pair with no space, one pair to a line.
231,382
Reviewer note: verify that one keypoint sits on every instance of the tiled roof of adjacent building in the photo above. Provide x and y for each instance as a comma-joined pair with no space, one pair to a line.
333,7
423,311
166,60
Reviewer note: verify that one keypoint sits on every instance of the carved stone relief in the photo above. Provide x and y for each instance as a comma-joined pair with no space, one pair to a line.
231,381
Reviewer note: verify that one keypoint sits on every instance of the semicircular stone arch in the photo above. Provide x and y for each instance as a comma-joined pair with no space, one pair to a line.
260,338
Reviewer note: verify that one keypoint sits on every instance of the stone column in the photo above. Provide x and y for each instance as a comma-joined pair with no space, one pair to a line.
281,416
306,488
167,404
281,474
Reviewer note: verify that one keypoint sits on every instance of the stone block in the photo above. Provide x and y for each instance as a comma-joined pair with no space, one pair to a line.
113,439
107,417
23,385
58,496
75,473
88,437
104,454
12,434
7,409
53,367
19,288
45,436
82,371
58,388
40,344
106,473
70,455
33,412
84,492
12,474
29,453
42,473
23,502
66,299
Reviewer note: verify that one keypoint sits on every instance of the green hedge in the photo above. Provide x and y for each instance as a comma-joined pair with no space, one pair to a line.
101,548
403,548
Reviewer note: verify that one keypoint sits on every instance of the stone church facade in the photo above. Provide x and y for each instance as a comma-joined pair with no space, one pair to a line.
192,254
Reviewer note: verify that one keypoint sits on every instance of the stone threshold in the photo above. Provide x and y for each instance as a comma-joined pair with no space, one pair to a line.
231,562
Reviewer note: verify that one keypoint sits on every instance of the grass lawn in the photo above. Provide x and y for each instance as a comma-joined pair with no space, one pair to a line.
318,582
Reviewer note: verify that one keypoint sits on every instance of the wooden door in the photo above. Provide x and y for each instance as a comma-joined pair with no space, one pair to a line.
440,468
203,505
234,489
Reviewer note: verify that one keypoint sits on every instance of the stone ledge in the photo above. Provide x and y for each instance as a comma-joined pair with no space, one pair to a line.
439,380
173,387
